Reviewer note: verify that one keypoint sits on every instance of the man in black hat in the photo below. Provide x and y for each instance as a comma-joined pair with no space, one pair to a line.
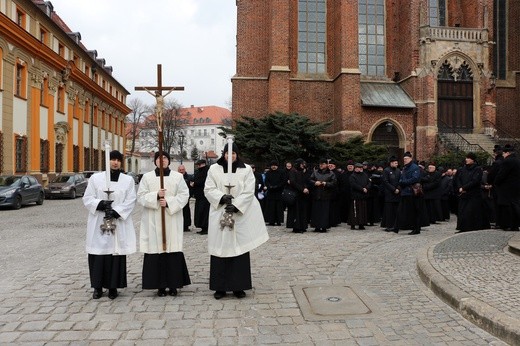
201,214
359,192
493,171
507,182
471,215
275,181
390,181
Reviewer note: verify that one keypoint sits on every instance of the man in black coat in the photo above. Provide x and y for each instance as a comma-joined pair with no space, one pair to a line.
431,183
297,213
471,215
507,182
201,215
359,189
493,171
390,183
275,181
186,212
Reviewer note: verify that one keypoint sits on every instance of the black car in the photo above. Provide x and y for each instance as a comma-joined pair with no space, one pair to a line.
18,190
68,185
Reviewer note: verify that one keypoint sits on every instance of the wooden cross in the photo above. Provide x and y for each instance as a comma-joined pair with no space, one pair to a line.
159,99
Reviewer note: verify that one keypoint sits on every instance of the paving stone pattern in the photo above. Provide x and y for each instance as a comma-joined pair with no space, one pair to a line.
479,263
46,299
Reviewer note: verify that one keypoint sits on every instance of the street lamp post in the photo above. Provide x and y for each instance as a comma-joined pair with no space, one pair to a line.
182,144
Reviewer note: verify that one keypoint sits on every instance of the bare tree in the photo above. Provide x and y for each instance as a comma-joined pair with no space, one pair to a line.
173,121
135,119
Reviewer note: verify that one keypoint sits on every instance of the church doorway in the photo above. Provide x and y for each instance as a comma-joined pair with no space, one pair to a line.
455,98
386,134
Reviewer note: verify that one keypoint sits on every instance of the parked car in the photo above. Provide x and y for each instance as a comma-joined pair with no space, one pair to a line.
18,190
88,174
67,185
134,176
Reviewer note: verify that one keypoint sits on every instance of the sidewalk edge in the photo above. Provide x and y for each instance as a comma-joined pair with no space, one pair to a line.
476,311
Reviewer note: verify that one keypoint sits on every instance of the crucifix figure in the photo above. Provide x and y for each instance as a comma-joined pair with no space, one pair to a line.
159,106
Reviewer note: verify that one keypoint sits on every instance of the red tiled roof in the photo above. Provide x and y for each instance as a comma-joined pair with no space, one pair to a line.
216,115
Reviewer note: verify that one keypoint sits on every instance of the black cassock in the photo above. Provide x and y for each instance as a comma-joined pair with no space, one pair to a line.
165,270
201,214
230,273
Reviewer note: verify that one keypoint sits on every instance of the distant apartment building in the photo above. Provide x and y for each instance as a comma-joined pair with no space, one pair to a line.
58,100
197,127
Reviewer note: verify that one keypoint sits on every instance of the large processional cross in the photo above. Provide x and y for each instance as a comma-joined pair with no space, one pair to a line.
159,99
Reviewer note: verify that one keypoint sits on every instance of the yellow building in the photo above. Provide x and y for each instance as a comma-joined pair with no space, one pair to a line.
58,100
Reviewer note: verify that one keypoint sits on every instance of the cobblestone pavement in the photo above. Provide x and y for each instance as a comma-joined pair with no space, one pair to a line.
45,295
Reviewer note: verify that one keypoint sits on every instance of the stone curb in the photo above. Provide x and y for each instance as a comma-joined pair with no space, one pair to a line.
476,311
514,244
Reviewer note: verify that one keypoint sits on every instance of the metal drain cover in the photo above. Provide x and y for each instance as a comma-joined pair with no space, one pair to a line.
329,302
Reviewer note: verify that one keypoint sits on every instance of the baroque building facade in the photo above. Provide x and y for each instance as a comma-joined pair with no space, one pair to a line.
397,72
59,102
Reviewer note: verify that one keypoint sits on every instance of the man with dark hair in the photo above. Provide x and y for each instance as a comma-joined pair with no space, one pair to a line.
411,213
229,245
507,182
164,265
107,249
201,213
275,181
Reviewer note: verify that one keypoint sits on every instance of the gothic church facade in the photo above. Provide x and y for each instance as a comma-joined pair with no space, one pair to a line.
397,72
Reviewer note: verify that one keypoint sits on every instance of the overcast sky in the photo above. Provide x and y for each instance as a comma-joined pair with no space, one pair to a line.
194,40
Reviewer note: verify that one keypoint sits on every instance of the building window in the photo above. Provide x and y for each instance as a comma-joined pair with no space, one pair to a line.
61,99
21,80
311,36
75,158
86,158
437,12
500,48
371,31
59,157
44,36
44,155
21,154
61,50
20,18
205,132
212,131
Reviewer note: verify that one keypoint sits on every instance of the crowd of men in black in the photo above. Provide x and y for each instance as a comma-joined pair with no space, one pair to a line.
406,197
393,196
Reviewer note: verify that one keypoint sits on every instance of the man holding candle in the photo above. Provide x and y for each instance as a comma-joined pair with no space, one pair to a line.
230,189
163,267
106,248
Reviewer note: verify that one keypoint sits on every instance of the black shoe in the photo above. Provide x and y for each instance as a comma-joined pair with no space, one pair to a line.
98,293
415,231
395,230
298,231
219,294
202,232
161,292
361,227
172,292
239,294
270,224
352,227
112,293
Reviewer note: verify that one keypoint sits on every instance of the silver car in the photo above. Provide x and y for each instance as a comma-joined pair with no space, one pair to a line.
68,185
